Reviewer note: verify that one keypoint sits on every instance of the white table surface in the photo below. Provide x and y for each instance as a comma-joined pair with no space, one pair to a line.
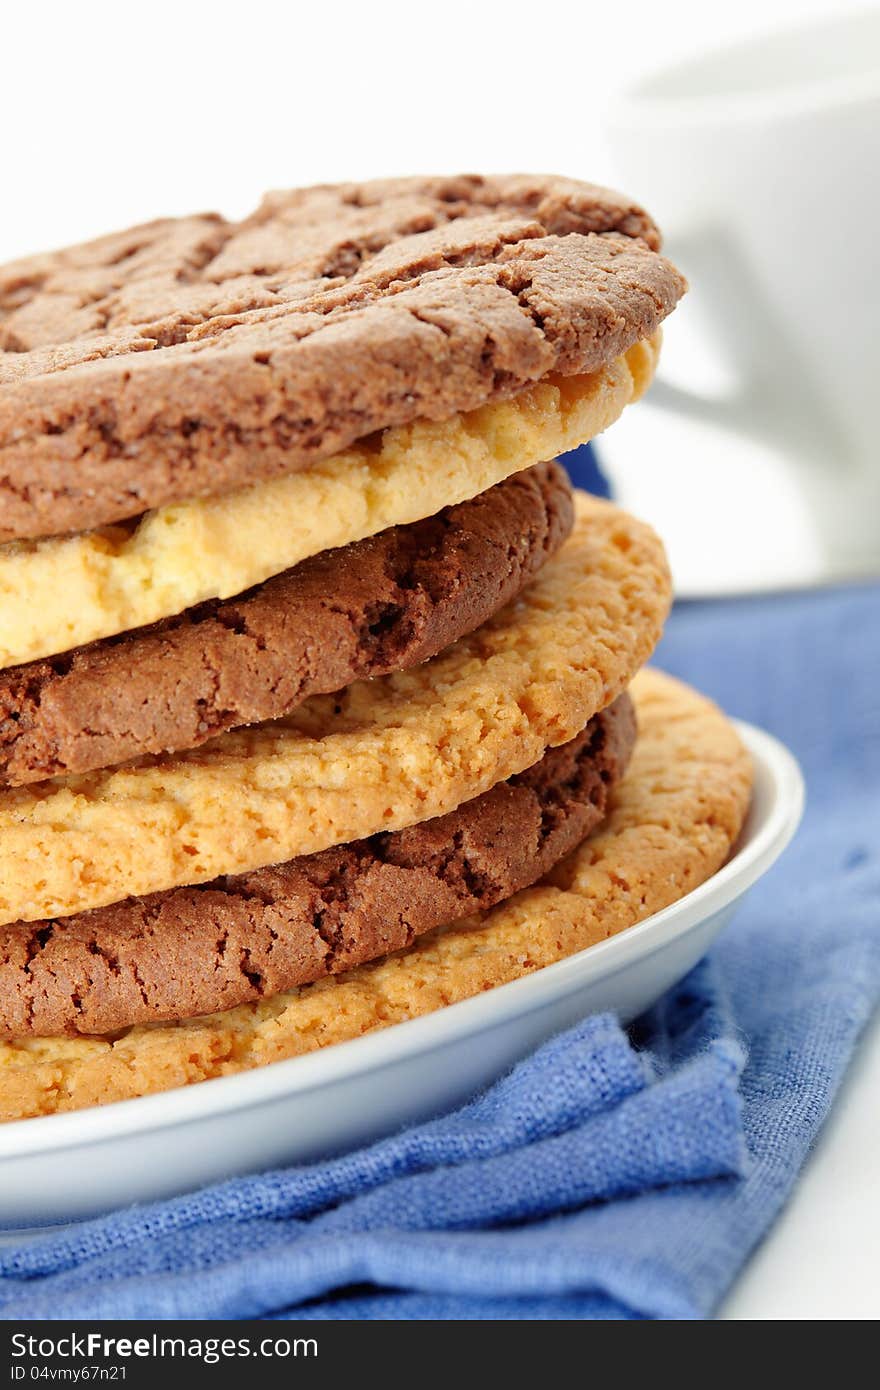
822,1259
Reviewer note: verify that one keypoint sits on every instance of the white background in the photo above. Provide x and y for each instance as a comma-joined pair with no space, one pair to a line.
116,113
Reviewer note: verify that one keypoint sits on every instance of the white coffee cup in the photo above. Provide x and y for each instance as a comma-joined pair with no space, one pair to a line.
762,165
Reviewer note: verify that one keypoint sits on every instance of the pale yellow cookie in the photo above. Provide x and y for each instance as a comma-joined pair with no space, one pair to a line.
674,819
381,755
62,592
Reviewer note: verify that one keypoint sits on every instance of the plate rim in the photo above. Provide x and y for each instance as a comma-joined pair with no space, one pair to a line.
776,768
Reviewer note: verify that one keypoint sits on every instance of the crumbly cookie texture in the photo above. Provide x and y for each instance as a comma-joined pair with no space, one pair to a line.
184,358
193,951
61,593
382,604
672,824
381,755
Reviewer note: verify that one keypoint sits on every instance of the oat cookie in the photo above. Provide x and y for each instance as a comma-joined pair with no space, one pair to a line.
187,357
62,593
383,604
671,826
196,950
381,755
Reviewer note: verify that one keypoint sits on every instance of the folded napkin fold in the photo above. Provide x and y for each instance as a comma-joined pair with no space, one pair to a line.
609,1175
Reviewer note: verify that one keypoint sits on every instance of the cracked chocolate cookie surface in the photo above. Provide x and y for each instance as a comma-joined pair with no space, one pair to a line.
196,950
381,605
187,357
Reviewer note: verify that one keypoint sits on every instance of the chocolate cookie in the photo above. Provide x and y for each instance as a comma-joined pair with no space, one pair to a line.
194,951
187,357
381,605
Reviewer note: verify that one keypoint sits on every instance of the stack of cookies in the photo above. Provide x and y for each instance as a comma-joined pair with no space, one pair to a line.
319,699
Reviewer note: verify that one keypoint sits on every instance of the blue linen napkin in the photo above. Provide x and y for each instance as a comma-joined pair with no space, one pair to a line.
585,471
608,1176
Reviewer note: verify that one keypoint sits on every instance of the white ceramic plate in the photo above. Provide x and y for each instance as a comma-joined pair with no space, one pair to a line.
63,1167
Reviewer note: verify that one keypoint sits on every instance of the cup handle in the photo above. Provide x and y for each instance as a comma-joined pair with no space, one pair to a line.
768,398
734,411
